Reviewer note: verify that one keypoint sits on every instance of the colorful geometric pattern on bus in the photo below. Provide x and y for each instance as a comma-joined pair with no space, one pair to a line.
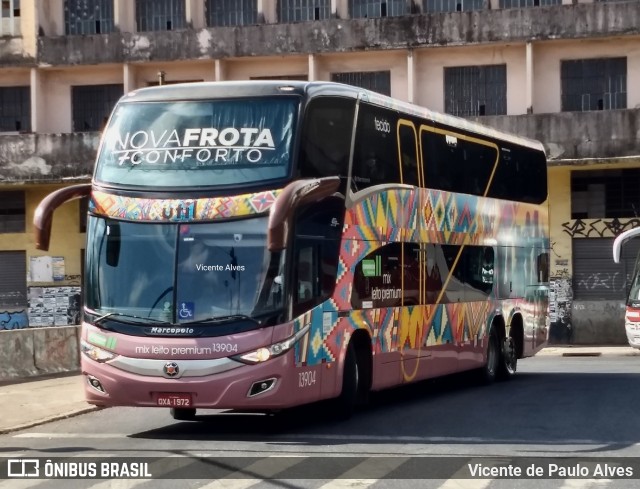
181,210
438,217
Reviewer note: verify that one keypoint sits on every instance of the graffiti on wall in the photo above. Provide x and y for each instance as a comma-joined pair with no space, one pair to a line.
604,281
14,319
599,228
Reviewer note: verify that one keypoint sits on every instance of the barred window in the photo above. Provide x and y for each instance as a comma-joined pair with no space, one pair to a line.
92,105
88,16
222,13
452,5
160,15
377,8
528,3
377,81
12,211
475,90
303,10
15,109
594,84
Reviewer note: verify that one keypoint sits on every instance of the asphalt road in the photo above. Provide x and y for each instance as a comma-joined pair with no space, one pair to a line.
555,408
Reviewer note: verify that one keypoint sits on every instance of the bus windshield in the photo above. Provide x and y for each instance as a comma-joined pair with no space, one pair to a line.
198,143
181,273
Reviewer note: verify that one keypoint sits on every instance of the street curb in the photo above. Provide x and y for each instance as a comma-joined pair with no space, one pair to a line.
49,419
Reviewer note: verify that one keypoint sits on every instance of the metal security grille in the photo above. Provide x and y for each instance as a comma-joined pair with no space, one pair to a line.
452,5
377,8
12,211
15,109
92,105
88,16
302,10
527,3
475,90
10,18
595,275
13,279
377,81
594,84
160,15
232,12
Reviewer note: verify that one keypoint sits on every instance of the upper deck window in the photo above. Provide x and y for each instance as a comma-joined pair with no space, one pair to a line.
198,143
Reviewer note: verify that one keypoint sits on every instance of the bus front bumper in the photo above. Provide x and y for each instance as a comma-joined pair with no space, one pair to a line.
265,386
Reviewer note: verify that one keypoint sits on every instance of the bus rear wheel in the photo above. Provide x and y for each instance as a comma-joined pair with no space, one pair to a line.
508,359
183,414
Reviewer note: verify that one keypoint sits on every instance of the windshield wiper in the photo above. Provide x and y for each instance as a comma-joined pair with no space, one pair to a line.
223,319
127,316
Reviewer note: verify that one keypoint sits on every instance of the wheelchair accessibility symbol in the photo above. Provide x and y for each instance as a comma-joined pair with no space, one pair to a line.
186,310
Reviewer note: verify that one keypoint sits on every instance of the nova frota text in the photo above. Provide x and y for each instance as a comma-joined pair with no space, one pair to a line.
219,268
205,145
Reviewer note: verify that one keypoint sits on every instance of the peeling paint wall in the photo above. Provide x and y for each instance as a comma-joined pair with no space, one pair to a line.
47,157
338,35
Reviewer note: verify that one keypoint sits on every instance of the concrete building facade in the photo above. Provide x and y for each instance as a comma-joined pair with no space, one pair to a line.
566,72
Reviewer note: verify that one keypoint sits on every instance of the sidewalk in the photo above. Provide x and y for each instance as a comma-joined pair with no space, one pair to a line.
34,402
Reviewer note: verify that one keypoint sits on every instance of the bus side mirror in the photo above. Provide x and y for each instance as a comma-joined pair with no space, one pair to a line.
113,244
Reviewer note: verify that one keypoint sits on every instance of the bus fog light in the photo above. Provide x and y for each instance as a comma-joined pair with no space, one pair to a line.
95,383
261,387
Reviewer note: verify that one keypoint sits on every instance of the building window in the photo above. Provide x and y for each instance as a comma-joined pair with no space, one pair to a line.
605,194
452,5
88,16
377,81
302,10
92,105
15,109
12,211
160,15
232,12
594,84
528,3
9,18
13,279
377,8
475,90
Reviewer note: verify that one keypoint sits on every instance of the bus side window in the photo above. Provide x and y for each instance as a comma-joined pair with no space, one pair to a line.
306,279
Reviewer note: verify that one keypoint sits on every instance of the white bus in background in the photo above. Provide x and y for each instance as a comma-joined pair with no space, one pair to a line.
632,305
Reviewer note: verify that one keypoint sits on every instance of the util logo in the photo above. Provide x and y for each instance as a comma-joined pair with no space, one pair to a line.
382,125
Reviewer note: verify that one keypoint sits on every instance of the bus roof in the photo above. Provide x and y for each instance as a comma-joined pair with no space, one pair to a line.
255,88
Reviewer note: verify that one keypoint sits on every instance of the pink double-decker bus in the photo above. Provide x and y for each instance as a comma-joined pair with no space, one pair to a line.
262,245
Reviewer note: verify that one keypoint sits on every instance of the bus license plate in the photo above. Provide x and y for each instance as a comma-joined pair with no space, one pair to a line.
174,400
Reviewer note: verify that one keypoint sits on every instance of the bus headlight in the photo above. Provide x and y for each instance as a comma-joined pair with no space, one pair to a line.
96,353
265,353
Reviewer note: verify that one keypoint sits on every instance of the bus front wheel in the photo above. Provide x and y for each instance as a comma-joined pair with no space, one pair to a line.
490,369
183,414
346,402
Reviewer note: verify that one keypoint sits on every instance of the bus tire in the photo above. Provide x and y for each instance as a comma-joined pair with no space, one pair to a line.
183,414
508,359
345,404
489,371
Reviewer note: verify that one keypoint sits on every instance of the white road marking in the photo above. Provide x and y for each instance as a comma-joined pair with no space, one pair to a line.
374,468
267,467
